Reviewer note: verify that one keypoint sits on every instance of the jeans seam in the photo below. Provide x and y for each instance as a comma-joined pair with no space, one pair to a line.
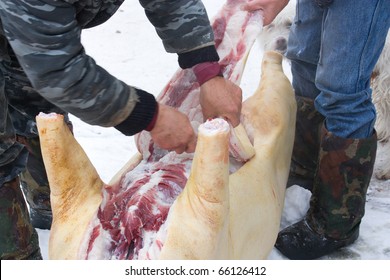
360,86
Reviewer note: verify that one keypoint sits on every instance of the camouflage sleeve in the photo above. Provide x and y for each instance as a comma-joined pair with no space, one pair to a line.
46,40
184,27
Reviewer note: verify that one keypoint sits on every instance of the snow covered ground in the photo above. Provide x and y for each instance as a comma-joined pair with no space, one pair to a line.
128,47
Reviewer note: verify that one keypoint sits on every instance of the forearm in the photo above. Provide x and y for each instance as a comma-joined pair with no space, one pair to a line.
184,28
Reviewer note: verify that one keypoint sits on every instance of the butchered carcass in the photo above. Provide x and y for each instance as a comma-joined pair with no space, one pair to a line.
208,205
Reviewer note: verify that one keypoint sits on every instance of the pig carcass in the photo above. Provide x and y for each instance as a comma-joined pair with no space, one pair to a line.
161,205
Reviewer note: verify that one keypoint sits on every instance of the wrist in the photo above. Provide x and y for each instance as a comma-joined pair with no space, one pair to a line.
154,119
206,71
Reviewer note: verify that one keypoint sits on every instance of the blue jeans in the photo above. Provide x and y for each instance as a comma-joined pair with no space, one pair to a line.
333,52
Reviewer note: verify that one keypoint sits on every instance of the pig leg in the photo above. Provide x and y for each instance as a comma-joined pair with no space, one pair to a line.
75,186
198,219
257,188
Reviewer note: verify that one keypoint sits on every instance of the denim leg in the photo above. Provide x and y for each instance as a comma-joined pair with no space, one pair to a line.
304,45
352,35
348,57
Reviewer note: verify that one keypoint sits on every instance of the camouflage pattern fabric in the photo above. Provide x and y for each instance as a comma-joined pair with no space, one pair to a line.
20,148
23,103
304,159
13,156
61,71
339,194
18,239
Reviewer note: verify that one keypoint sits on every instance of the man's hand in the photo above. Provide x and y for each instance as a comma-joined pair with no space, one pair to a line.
270,8
173,131
221,98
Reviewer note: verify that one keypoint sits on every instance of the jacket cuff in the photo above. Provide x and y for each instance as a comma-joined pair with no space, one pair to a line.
142,116
206,54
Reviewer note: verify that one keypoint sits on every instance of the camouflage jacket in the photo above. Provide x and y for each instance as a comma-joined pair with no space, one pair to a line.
45,36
